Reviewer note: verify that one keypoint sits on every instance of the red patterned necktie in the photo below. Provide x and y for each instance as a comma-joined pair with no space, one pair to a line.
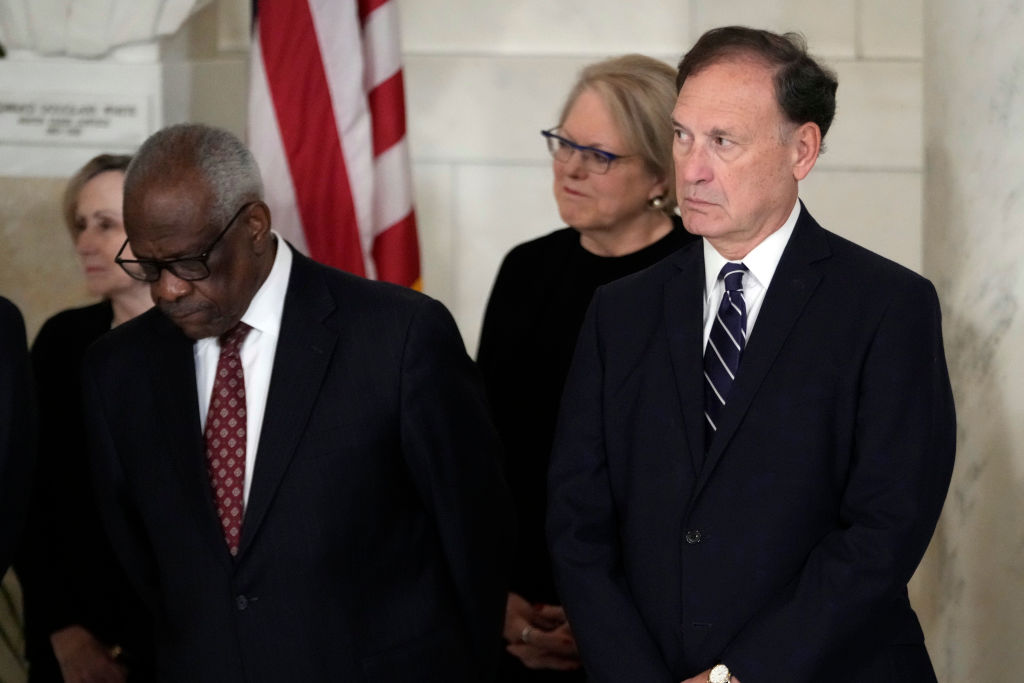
225,435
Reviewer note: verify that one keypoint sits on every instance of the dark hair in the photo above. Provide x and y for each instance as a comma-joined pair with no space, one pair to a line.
804,89
93,167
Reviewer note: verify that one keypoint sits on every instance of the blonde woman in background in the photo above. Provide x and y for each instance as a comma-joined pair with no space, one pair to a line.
83,621
615,189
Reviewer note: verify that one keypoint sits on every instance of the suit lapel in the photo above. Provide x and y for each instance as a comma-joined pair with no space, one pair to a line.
792,286
304,350
172,364
684,312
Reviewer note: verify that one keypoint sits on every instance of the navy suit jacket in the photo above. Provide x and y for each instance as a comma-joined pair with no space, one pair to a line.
17,430
373,542
785,551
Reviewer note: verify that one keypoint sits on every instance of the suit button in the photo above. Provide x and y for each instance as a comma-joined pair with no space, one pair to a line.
241,602
693,536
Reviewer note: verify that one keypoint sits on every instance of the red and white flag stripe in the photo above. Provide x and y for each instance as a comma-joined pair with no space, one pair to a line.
327,126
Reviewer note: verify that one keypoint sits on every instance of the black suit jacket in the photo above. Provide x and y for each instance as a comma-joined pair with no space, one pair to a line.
785,550
67,569
372,545
17,430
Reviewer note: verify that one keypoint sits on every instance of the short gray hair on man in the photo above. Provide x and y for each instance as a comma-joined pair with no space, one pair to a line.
221,159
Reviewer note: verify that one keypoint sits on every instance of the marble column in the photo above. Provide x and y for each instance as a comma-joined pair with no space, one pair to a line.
970,589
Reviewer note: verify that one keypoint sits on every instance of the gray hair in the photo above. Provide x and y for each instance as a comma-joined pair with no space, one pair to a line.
220,158
639,93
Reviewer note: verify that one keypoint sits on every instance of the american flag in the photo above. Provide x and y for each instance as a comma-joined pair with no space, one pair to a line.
327,127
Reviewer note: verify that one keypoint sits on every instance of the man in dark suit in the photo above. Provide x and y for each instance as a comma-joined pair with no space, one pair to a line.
750,466
349,524
17,441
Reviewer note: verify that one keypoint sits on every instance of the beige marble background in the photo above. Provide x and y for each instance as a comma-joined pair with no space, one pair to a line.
38,270
973,579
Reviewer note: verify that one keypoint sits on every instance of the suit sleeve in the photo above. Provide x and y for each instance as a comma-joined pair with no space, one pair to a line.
48,563
453,454
118,512
902,460
583,532
17,428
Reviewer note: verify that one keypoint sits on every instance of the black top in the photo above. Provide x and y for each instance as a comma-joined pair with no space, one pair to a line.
68,569
17,435
529,334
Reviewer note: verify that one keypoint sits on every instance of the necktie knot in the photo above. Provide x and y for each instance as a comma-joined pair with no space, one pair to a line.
732,276
232,340
725,347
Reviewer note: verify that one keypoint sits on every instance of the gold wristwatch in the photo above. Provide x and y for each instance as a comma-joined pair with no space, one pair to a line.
719,674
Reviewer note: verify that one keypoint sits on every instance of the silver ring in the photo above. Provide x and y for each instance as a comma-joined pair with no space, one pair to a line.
525,635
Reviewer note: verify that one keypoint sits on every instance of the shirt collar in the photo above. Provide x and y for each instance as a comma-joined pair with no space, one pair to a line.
761,261
265,309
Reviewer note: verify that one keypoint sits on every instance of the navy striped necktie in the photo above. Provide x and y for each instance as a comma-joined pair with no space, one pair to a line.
725,346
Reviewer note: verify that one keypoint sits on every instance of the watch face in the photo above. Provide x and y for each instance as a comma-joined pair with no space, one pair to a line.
719,674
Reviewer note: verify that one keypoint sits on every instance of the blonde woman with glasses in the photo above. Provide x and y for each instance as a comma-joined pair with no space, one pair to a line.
614,186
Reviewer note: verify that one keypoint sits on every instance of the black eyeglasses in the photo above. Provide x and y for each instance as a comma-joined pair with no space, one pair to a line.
594,160
185,268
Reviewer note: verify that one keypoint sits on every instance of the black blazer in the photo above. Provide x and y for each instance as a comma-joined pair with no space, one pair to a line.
373,542
17,430
786,550
67,569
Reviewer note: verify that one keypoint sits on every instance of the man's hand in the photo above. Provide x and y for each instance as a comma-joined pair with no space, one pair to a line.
539,637
699,678
83,658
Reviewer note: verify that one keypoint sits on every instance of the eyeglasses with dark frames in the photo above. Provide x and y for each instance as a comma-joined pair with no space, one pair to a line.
189,268
594,160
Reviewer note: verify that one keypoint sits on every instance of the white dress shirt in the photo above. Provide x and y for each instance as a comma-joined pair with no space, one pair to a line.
264,317
761,263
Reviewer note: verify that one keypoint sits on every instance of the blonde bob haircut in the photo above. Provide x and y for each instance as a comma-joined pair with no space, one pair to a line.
640,93
93,167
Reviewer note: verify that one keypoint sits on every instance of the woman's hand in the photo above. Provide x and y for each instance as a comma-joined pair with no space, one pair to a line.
539,636
83,658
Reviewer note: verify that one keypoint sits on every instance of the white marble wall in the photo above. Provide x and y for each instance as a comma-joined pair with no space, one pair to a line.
972,583
130,77
483,79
